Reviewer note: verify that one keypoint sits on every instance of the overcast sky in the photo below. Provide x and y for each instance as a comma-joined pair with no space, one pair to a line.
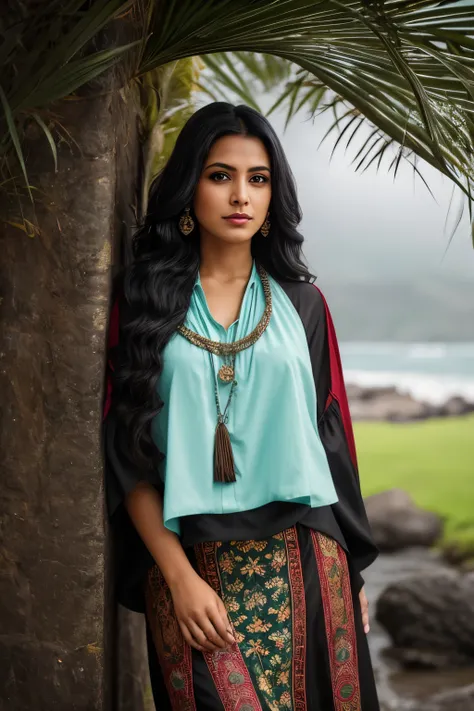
366,225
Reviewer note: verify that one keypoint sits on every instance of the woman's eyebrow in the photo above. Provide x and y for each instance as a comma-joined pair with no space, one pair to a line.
232,168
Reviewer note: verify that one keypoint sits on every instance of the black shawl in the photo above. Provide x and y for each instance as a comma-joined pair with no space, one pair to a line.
346,520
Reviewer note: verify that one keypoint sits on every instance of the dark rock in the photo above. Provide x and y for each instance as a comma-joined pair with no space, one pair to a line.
397,522
430,620
457,406
388,403
460,555
451,700
435,411
379,392
355,392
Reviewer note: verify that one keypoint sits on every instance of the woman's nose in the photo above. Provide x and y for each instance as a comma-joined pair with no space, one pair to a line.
240,195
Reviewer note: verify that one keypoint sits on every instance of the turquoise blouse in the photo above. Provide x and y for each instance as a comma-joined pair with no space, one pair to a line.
272,423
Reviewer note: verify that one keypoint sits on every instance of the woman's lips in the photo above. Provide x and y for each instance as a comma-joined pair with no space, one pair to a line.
237,220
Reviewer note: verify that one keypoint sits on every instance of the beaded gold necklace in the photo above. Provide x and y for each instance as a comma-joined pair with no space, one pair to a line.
228,349
224,470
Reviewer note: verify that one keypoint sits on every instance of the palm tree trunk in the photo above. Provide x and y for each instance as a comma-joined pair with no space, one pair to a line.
54,592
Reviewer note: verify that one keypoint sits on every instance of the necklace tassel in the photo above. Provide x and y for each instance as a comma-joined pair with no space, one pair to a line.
224,471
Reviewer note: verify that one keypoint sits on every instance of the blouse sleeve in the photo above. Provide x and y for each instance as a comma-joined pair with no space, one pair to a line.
335,428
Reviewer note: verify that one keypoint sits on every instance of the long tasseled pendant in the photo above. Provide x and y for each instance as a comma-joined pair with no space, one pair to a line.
224,471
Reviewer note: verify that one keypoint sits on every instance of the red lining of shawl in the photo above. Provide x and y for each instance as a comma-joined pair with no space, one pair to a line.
338,389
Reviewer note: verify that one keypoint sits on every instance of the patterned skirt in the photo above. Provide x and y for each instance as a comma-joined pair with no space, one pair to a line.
300,641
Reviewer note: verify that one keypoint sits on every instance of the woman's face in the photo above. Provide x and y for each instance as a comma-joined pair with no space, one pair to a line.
235,180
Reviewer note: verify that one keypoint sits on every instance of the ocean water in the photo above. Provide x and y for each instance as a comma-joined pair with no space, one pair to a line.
432,372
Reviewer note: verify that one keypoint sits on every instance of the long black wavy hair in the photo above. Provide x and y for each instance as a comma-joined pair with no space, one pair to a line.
156,288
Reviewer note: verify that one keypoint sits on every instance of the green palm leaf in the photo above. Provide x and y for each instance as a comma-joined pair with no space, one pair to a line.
42,61
50,139
14,136
224,78
405,66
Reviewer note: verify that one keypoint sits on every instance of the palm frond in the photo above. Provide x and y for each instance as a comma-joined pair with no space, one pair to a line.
49,137
225,78
44,60
14,135
405,66
270,70
167,100
45,54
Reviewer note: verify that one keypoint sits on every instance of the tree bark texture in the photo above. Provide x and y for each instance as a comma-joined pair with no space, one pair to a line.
57,613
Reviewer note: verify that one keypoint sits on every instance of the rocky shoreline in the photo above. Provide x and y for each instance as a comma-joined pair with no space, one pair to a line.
391,405
424,611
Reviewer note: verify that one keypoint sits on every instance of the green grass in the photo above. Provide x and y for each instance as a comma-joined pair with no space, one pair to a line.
433,460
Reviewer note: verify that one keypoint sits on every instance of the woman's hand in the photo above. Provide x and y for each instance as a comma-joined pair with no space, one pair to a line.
364,606
201,614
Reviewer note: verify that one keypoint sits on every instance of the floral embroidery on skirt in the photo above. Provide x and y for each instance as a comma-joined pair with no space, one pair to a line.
262,584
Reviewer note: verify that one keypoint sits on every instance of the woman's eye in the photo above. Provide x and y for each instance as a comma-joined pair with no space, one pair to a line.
221,177
218,177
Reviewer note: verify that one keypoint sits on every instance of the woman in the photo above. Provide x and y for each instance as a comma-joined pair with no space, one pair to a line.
231,473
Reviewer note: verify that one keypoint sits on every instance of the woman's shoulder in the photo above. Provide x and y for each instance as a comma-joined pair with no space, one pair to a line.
305,296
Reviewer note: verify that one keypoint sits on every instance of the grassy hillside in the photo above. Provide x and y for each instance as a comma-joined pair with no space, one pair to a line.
432,460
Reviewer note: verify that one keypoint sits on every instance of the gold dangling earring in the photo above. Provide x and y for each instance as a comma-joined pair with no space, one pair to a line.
265,228
186,223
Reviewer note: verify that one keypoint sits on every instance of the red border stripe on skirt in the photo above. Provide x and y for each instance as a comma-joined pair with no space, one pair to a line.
339,621
298,605
174,653
227,668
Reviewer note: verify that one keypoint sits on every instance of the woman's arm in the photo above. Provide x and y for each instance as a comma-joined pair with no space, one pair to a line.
145,508
200,612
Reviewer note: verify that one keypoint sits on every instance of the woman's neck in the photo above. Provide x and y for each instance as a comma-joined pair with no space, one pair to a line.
224,262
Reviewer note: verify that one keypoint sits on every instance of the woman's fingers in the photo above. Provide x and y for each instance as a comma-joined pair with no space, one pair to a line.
364,606
189,638
222,623
225,618
198,631
210,630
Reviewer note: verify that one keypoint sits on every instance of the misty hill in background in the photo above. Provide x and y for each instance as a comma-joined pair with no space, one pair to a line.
381,248
438,310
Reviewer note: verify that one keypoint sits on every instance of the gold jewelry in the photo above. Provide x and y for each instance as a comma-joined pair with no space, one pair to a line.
186,223
226,371
228,349
265,228
224,469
